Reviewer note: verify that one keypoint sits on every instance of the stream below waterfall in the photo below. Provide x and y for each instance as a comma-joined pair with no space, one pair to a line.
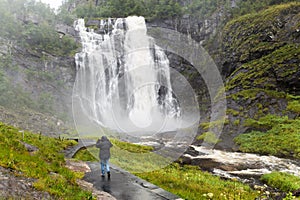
246,167
123,83
243,166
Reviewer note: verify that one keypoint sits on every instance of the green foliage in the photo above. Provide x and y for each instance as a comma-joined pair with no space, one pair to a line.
208,137
280,137
45,102
233,112
150,9
46,165
269,72
190,183
15,97
133,148
264,43
214,124
46,38
166,9
283,181
86,154
131,157
66,17
294,106
236,122
90,154
252,6
205,8
266,122
31,24
289,196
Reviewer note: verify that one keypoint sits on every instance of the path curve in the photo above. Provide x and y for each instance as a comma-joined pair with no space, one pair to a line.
122,185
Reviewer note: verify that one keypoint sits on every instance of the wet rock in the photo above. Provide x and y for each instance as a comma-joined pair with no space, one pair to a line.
92,22
296,193
228,168
78,166
29,147
206,164
185,160
191,151
100,195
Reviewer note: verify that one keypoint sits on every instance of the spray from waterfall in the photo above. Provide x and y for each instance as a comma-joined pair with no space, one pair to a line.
123,78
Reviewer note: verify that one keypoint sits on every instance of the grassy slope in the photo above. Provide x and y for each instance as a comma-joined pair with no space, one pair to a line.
280,138
187,182
46,165
263,89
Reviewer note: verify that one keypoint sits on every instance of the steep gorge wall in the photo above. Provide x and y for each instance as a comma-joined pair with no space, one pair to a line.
260,58
36,84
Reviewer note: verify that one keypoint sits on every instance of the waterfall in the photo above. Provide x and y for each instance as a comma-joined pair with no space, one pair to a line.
123,78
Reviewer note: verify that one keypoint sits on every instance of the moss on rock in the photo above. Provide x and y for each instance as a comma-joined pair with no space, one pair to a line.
255,35
261,56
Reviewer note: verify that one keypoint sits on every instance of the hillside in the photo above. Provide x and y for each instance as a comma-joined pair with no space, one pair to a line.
36,67
261,62
39,161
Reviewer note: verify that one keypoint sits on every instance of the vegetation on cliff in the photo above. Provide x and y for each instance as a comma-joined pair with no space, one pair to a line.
283,181
35,62
150,9
262,56
166,9
279,136
31,25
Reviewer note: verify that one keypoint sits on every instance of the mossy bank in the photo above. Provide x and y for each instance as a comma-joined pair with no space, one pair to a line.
261,62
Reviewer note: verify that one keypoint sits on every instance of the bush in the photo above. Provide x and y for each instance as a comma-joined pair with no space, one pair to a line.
281,137
208,137
283,181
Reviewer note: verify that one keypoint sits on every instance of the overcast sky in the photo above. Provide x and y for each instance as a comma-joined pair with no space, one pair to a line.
53,3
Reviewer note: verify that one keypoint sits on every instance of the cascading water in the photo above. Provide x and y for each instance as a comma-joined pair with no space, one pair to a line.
123,78
243,164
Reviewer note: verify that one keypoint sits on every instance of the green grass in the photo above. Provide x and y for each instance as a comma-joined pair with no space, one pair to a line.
187,182
133,148
47,165
278,136
283,181
190,183
209,137
130,157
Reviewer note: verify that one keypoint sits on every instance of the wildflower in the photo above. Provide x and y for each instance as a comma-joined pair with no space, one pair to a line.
210,195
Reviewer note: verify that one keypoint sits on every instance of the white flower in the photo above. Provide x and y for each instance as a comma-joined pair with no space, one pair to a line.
210,195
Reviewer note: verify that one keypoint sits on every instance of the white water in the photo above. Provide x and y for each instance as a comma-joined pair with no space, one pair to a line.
265,164
121,78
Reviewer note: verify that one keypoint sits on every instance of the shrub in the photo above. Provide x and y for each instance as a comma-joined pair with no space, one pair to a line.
281,180
281,137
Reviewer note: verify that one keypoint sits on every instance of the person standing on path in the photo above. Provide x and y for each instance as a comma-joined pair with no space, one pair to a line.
104,144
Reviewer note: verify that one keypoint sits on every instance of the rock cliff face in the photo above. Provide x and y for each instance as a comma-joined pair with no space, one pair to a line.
38,87
261,56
